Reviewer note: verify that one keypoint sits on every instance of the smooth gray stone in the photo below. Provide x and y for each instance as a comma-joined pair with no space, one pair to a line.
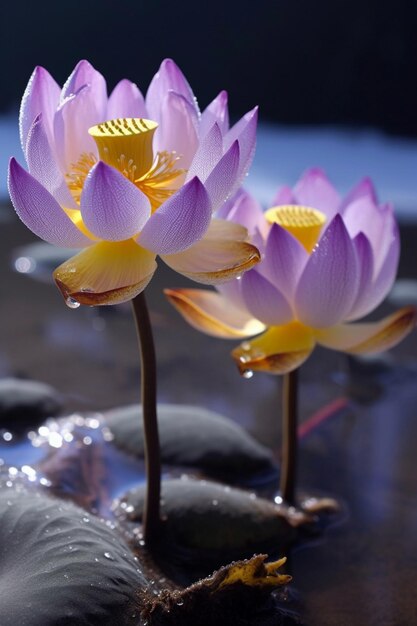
193,437
60,566
26,403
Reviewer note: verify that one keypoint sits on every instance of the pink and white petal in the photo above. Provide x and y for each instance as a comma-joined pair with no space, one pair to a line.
212,261
370,337
85,74
111,206
168,78
315,190
106,273
212,314
247,211
245,132
280,350
264,300
364,188
283,196
366,271
126,100
179,222
43,166
40,212
178,129
216,112
41,96
222,181
209,153
285,259
328,285
71,123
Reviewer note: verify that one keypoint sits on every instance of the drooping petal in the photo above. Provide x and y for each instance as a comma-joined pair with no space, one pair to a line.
245,132
168,78
208,154
364,188
285,259
40,212
315,190
85,74
216,112
41,97
366,271
43,166
222,229
222,180
211,313
106,273
264,300
212,261
126,100
178,129
112,207
369,337
278,351
328,285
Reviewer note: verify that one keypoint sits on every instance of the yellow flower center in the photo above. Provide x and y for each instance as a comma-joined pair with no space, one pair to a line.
303,222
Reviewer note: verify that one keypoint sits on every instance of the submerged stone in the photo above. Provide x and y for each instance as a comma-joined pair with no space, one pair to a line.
194,437
26,403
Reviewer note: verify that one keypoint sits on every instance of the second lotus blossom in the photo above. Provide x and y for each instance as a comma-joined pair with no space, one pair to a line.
327,261
127,178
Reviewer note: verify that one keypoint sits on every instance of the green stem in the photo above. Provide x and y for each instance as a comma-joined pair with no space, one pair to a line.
289,438
151,514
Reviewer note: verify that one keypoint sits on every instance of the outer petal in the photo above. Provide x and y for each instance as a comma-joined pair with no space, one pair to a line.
212,261
43,166
213,314
370,337
245,132
85,74
366,271
209,153
315,190
365,188
106,273
112,207
244,209
264,301
179,222
178,130
126,101
285,259
168,78
40,212
364,216
222,180
216,112
278,351
41,96
329,283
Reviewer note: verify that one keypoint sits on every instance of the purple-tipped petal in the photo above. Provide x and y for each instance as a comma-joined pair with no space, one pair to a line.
43,166
245,132
168,78
112,207
222,179
329,283
315,190
85,74
245,210
284,261
179,222
126,100
208,154
283,196
41,96
366,270
363,215
216,113
232,291
264,300
178,129
365,187
40,212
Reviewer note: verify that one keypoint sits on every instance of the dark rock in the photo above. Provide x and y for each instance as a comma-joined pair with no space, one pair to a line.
194,437
26,403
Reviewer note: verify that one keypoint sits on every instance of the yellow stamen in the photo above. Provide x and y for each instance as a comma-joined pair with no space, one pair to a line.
75,178
303,222
158,184
129,139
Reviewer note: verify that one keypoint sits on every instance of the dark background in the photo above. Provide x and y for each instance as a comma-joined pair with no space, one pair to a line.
304,61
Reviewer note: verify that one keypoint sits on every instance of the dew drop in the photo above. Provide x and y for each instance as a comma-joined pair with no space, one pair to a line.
180,602
71,303
107,555
247,374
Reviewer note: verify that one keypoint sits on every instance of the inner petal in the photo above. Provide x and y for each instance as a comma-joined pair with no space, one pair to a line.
305,223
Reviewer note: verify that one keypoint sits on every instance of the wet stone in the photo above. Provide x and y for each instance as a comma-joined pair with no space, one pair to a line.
195,437
26,403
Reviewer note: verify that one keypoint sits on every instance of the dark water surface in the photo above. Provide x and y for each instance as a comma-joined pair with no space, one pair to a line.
361,449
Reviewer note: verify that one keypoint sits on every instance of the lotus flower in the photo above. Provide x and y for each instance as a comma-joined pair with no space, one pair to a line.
126,178
326,262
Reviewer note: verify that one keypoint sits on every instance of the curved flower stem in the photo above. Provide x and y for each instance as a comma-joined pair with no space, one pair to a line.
151,514
289,438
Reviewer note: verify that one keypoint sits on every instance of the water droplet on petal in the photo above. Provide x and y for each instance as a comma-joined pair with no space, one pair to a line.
72,303
247,374
107,555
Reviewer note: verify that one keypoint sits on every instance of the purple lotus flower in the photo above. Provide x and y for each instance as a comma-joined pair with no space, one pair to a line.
326,262
126,178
